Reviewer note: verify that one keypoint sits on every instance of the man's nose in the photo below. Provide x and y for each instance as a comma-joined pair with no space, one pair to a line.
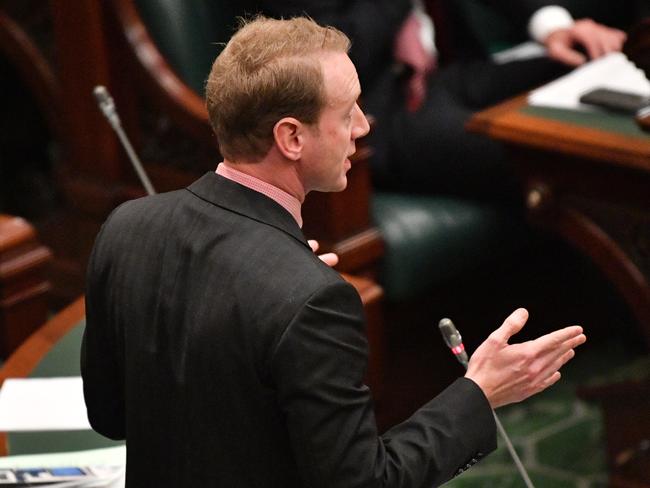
362,127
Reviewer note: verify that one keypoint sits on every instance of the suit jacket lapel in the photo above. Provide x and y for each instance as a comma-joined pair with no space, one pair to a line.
232,196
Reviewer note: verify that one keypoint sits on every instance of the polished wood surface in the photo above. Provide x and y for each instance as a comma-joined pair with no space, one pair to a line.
23,283
590,186
371,296
506,122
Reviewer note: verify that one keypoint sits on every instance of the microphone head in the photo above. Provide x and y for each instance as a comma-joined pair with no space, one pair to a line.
106,104
449,333
101,94
453,340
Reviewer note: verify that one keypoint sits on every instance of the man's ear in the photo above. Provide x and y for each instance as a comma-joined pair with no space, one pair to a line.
289,137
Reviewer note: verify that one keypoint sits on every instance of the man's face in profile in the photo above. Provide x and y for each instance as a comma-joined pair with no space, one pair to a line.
331,142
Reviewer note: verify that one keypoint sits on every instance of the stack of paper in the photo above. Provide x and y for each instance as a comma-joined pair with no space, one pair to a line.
613,71
93,468
41,404
54,404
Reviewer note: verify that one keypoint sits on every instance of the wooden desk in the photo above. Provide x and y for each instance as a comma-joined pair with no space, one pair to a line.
23,286
586,177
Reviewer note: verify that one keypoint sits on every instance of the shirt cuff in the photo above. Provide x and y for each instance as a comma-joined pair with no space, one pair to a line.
548,19
426,33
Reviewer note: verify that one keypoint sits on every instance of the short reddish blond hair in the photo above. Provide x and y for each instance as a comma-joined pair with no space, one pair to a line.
268,70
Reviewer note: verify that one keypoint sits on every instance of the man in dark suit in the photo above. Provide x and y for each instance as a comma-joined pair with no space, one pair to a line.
424,147
224,351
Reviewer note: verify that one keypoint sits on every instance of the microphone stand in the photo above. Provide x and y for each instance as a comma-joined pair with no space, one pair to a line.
107,106
454,341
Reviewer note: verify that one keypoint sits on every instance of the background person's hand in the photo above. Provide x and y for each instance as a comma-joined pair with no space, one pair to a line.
509,373
328,258
596,39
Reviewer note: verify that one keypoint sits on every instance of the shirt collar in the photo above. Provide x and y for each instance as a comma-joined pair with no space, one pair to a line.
290,203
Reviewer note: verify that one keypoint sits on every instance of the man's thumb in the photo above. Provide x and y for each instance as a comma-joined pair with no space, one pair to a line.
513,324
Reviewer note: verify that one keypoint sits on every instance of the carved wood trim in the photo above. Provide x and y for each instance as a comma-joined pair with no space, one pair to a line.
594,242
24,359
23,287
176,96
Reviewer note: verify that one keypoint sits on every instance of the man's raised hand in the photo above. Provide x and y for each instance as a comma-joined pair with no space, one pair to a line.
509,373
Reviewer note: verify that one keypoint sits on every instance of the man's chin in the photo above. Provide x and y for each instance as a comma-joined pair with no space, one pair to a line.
340,186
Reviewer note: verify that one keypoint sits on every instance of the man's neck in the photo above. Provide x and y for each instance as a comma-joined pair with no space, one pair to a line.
282,175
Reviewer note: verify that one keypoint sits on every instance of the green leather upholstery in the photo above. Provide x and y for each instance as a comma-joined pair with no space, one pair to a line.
432,239
61,360
493,32
189,33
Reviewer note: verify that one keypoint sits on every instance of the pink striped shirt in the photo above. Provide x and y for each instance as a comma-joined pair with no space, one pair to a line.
290,203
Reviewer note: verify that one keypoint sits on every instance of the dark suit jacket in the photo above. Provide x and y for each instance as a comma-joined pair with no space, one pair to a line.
226,354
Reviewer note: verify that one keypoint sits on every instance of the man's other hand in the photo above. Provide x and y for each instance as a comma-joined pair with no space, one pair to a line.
595,39
328,258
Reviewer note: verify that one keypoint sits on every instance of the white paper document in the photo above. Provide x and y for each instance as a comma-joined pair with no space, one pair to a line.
613,71
41,404
106,467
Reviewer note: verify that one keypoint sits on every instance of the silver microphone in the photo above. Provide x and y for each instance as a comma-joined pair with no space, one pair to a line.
107,106
454,341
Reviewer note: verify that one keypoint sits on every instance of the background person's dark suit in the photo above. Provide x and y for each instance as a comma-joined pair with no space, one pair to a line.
429,150
228,355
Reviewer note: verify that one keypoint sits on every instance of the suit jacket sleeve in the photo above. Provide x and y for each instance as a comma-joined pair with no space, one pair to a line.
318,368
103,378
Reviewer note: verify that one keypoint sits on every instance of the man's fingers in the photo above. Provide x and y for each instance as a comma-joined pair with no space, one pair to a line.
591,44
596,38
551,380
562,360
330,259
576,341
557,363
614,43
556,339
564,54
513,324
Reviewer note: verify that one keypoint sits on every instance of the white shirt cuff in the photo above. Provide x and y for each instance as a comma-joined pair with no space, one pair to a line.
427,33
548,19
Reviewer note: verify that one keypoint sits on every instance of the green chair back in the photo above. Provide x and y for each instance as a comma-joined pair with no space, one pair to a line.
189,33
